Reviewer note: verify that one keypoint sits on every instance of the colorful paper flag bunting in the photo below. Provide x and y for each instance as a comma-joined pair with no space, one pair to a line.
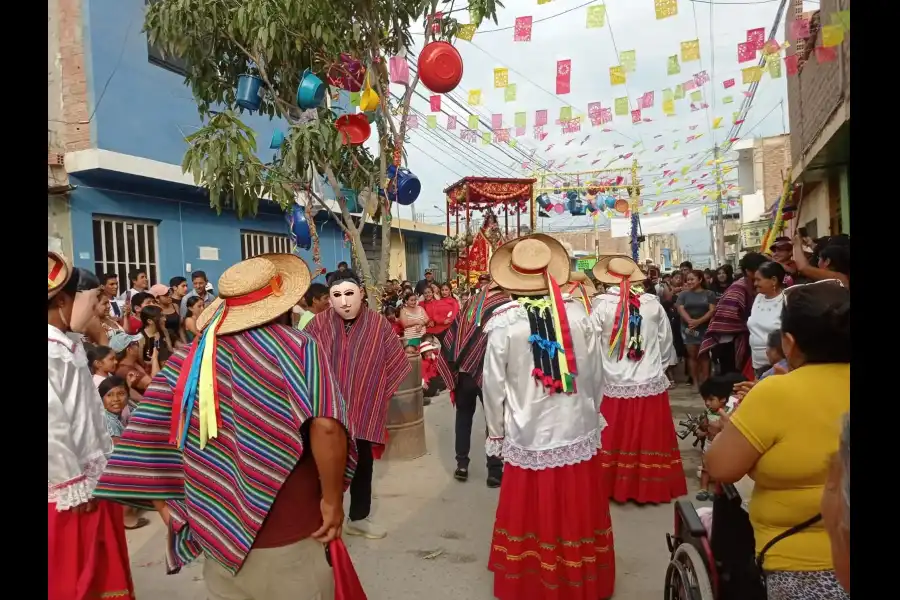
746,52
791,64
520,131
727,100
501,77
565,113
520,119
466,32
540,117
509,92
668,106
496,121
451,122
825,54
621,106
800,29
605,115
756,38
354,98
717,122
696,96
728,83
628,60
665,8
473,121
679,92
596,16
616,75
646,100
841,17
563,76
412,122
667,94
773,65
522,29
701,78
673,68
435,102
751,74
486,138
636,116
690,85
474,97
690,50
832,35
432,121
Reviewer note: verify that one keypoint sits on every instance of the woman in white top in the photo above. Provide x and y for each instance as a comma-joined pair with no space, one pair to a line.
765,315
552,536
640,452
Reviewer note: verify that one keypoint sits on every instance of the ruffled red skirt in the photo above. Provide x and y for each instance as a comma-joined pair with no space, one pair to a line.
87,555
553,535
641,460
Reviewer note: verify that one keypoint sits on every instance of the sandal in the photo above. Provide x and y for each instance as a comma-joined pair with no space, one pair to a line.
141,522
672,385
461,474
703,496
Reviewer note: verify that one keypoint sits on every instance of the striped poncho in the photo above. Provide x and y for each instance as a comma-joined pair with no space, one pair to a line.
369,365
730,319
270,380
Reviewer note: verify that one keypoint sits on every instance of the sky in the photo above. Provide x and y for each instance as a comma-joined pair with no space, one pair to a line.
439,157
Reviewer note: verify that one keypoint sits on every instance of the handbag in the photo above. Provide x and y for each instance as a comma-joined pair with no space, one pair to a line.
346,581
733,546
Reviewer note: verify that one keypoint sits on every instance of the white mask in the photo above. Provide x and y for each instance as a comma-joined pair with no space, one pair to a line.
346,299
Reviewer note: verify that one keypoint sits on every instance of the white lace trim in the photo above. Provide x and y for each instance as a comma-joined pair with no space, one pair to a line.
652,387
582,449
79,490
505,316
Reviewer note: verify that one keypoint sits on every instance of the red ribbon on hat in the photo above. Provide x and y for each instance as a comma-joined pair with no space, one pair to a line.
273,289
53,273
620,321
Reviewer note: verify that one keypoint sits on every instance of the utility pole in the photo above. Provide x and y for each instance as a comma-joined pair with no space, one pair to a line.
720,218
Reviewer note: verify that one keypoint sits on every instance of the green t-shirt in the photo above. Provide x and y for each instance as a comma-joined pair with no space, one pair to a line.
305,318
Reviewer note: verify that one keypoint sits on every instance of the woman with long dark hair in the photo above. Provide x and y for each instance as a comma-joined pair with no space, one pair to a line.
696,306
765,315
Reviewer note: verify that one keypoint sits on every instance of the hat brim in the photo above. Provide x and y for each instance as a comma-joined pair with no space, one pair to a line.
504,276
601,271
295,279
63,277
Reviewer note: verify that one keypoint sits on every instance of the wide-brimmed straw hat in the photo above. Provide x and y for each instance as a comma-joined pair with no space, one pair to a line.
59,271
613,269
257,290
520,266
580,277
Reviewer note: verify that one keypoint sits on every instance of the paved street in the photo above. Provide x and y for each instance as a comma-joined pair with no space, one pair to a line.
440,529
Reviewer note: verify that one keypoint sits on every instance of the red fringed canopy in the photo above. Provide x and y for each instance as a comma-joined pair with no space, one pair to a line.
480,193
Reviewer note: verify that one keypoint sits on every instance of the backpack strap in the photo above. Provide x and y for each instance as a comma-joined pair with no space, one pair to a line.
785,534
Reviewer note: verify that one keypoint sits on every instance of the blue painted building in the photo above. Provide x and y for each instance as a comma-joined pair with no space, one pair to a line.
131,205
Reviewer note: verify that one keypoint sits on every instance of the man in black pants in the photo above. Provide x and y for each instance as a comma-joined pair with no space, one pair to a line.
460,365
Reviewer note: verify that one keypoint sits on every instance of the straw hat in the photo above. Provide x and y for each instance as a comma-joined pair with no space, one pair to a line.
518,266
612,269
257,290
576,277
59,271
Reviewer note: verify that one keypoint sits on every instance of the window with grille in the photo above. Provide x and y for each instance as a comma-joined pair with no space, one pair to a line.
437,260
254,243
122,245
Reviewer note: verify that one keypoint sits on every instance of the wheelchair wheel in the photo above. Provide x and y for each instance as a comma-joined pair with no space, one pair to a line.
686,577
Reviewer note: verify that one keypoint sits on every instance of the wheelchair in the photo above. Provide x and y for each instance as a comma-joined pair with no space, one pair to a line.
717,567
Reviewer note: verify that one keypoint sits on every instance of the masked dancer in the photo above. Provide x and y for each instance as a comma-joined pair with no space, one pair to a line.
369,364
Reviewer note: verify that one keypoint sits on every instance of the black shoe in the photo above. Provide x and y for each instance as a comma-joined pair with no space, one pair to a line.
493,481
461,474
426,401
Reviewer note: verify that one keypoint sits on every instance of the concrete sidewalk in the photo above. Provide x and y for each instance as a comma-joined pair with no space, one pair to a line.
440,529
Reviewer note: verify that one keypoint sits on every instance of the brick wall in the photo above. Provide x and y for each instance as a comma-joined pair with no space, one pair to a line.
76,128
818,90
584,242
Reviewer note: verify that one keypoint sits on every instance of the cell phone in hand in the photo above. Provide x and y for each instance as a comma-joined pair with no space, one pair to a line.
156,343
803,232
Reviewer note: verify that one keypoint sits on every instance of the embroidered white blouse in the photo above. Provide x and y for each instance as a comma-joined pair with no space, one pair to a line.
527,426
77,441
635,379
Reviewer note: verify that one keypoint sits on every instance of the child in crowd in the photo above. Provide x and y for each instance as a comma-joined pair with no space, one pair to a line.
390,313
102,363
717,395
775,355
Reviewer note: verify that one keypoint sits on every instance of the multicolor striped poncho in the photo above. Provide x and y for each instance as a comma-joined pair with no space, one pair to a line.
730,319
368,363
270,380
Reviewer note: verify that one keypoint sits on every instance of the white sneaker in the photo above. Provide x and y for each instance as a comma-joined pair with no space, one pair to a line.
365,528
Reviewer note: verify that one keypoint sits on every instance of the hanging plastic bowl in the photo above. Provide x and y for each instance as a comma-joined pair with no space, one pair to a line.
355,129
299,227
621,205
610,202
407,187
249,92
440,67
311,91
277,139
572,195
372,116
544,202
369,100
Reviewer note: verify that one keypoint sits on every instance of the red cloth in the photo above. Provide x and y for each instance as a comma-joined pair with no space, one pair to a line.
87,555
441,310
132,325
429,367
553,535
641,460
346,581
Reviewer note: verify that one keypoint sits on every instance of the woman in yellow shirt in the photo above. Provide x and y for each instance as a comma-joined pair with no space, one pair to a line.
784,434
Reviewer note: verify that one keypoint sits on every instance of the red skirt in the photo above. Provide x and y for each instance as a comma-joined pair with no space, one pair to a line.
87,555
553,535
641,460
